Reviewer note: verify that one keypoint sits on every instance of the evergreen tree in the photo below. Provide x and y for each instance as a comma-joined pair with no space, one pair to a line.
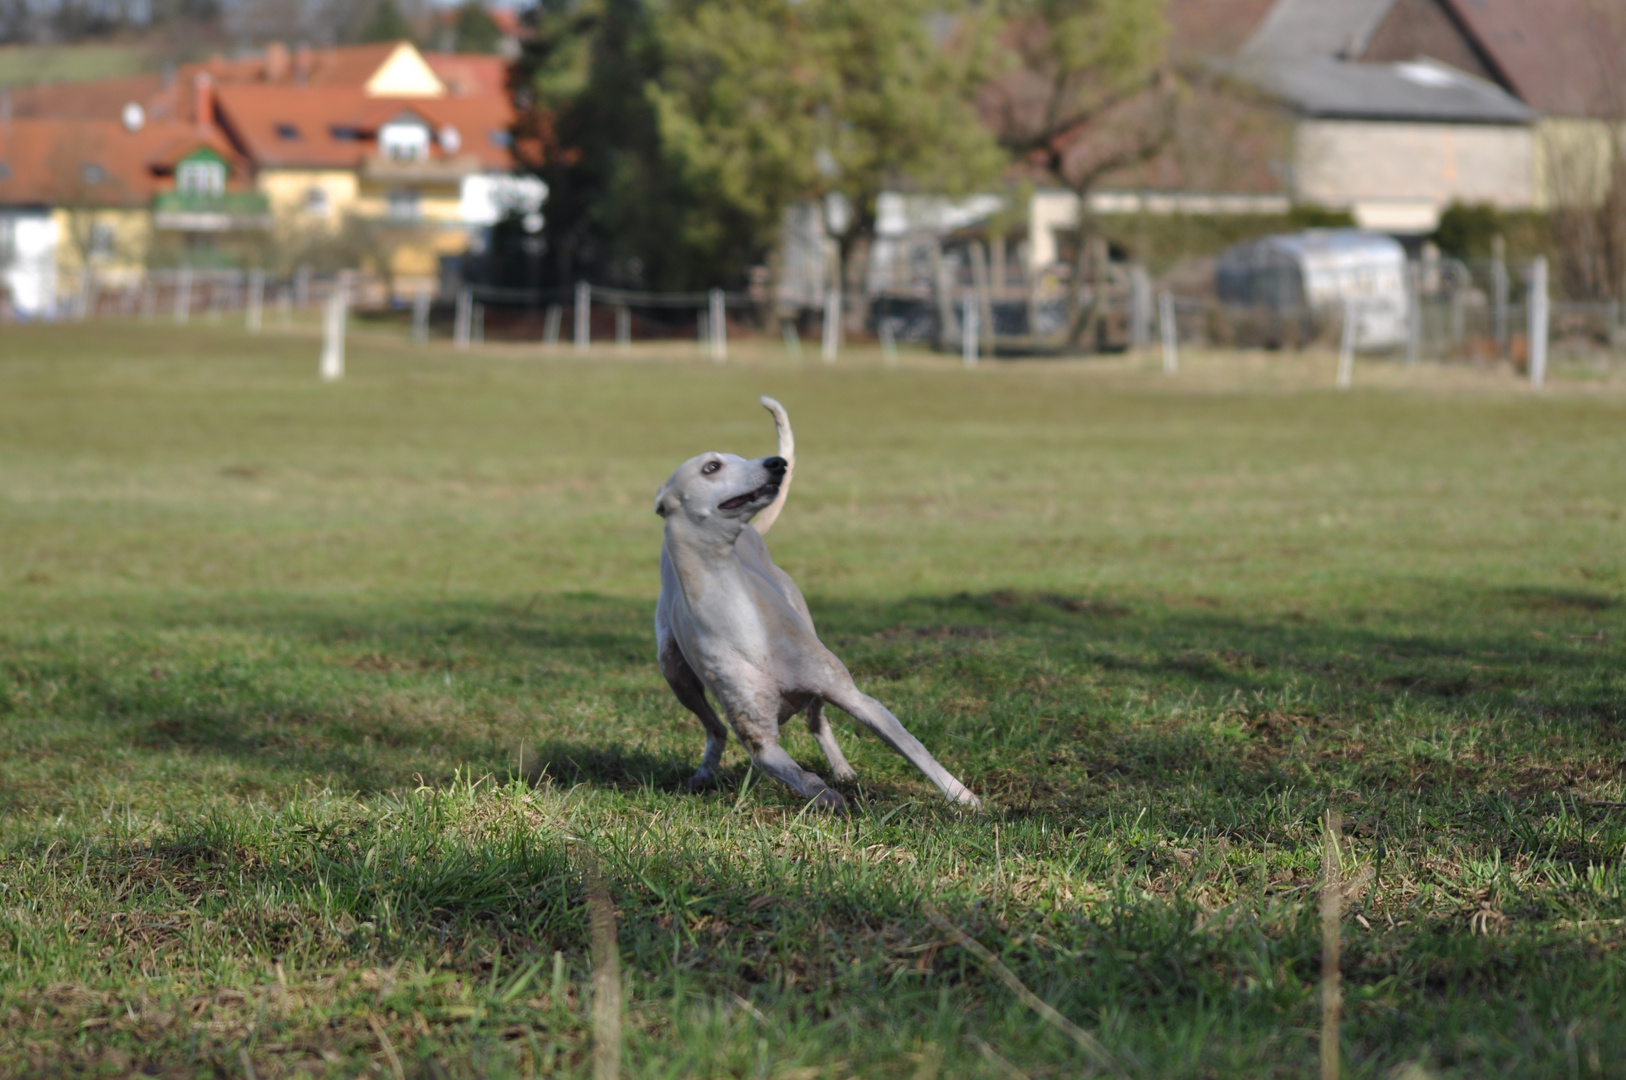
474,30
386,23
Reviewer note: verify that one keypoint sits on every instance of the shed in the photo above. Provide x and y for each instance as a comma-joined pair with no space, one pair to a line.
1316,273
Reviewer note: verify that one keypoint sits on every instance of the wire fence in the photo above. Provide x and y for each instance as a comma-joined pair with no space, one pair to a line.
1453,311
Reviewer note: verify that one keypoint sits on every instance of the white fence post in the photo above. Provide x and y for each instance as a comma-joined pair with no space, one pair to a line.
1499,298
183,295
719,327
584,316
550,325
1346,346
1170,330
968,331
460,322
623,327
889,344
333,334
832,325
1140,308
256,299
793,340
1538,322
420,316
302,287
1414,312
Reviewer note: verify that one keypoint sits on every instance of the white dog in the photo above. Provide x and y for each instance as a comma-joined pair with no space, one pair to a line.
731,622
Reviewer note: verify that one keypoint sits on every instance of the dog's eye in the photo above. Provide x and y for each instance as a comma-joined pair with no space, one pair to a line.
710,467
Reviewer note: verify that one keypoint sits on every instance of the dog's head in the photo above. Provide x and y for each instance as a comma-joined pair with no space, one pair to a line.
720,492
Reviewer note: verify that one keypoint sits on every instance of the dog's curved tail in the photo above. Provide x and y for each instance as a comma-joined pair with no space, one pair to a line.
787,450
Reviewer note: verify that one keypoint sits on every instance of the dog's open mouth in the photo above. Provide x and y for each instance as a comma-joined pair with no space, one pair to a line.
766,491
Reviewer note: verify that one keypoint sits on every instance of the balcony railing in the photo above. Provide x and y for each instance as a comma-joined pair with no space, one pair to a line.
383,169
195,212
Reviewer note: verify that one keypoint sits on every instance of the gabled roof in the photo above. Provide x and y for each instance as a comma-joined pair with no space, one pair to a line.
171,96
333,127
46,161
1419,90
1303,28
470,74
1213,27
1563,57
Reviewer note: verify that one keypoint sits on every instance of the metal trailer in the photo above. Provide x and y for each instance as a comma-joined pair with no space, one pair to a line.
1314,277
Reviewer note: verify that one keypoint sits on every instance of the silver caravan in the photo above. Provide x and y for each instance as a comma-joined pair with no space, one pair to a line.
1309,277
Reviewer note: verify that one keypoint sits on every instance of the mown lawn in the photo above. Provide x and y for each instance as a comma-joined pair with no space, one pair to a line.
317,704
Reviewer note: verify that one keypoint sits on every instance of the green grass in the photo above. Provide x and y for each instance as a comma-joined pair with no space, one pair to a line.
24,64
276,659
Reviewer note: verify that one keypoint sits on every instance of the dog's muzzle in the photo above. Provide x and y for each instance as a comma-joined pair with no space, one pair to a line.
776,470
766,491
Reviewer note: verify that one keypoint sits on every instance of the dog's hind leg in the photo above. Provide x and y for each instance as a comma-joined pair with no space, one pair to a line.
770,757
819,725
846,696
692,694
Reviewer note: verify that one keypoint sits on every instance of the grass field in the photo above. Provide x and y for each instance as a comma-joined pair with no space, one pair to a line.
317,703
23,64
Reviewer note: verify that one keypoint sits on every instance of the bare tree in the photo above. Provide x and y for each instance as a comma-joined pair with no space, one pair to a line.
1091,92
1585,167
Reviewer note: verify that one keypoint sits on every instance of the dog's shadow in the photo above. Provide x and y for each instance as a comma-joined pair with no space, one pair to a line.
611,765
620,767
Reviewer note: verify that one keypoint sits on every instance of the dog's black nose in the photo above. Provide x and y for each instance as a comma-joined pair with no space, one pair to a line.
775,464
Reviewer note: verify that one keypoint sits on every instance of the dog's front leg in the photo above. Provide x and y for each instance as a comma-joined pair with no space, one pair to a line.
692,694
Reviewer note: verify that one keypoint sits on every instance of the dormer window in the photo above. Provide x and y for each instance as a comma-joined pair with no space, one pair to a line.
288,132
201,176
404,140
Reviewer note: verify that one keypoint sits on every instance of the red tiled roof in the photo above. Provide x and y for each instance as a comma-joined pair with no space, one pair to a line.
470,74
1213,27
171,96
313,91
46,161
1563,57
254,114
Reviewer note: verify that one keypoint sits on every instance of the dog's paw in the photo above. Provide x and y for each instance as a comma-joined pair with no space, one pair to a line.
702,780
831,801
844,776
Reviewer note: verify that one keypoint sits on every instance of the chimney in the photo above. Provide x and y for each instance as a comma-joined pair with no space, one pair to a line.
302,62
276,62
203,98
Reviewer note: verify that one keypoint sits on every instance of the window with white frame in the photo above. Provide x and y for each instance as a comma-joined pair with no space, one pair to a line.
201,176
316,201
404,140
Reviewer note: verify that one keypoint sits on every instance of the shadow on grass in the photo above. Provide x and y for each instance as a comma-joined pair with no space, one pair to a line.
374,697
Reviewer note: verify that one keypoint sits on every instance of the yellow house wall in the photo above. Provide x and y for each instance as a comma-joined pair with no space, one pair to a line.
123,266
416,248
1573,160
286,190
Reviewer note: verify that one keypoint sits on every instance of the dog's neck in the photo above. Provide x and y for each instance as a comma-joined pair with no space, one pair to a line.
703,558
